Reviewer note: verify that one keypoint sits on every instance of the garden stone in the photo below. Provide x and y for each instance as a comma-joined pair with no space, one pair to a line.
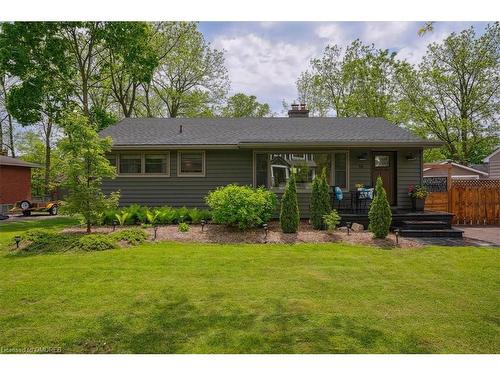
356,227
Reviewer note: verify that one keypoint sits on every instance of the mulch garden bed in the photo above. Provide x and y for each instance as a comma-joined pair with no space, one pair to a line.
213,233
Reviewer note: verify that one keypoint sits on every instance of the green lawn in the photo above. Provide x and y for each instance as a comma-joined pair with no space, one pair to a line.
199,298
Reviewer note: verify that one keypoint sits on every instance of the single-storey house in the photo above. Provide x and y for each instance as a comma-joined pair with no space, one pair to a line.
177,161
15,181
456,170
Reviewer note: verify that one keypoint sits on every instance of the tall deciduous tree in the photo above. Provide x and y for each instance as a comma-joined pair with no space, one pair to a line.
192,78
129,59
6,120
85,168
357,81
241,105
453,95
36,54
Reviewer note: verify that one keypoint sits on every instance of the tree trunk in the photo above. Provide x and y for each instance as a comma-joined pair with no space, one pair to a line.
88,227
46,181
11,135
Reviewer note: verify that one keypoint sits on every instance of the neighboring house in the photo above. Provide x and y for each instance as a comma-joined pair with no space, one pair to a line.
15,180
177,161
493,164
458,171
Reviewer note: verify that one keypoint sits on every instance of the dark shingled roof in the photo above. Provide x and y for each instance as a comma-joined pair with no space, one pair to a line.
7,160
252,131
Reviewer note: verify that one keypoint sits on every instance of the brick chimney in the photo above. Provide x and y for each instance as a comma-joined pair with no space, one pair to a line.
298,110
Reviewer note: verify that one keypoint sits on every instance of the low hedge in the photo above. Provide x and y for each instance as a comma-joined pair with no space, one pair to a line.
135,214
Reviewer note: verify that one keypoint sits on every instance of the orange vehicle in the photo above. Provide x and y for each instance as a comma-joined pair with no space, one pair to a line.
26,207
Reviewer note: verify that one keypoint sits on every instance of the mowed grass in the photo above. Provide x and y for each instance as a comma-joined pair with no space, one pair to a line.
202,298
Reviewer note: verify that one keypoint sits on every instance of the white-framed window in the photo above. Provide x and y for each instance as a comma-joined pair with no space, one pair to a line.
130,164
191,163
144,164
156,164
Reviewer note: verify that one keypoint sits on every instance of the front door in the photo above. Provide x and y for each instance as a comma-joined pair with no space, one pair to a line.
384,166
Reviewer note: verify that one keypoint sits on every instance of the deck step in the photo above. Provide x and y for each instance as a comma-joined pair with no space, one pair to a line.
450,233
425,224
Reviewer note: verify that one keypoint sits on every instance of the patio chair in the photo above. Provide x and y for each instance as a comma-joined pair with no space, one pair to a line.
337,196
364,197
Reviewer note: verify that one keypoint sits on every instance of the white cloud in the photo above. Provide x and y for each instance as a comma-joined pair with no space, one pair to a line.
384,34
263,67
333,32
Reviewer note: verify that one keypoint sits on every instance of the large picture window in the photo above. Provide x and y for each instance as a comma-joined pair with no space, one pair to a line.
274,169
191,163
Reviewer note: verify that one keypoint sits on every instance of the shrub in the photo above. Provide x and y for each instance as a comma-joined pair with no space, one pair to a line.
136,214
45,241
133,236
182,215
122,217
166,215
152,216
241,206
183,227
320,200
331,220
205,215
380,214
289,215
194,215
95,242
108,217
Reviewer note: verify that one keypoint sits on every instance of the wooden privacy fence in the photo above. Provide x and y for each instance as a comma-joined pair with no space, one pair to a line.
472,201
475,201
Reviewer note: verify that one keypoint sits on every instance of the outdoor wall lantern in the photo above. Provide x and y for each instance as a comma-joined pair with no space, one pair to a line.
363,156
410,156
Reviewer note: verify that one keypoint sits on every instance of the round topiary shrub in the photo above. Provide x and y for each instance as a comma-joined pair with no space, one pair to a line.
241,206
289,215
380,214
95,242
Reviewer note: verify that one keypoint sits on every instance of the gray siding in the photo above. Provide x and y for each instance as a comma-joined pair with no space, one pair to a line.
409,172
222,167
236,166
360,170
494,166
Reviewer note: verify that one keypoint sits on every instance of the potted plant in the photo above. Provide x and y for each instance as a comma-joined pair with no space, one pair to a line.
417,193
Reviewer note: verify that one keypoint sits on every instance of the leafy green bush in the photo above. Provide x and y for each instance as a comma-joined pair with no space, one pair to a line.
122,217
136,214
95,242
331,220
241,206
380,214
166,215
46,241
133,236
289,215
182,215
183,227
108,217
320,200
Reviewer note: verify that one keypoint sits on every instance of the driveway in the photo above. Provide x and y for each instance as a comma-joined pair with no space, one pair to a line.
483,233
34,217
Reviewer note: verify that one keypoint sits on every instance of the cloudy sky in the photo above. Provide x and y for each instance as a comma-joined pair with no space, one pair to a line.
265,58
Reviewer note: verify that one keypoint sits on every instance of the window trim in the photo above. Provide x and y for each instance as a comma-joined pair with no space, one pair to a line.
143,164
189,174
347,172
